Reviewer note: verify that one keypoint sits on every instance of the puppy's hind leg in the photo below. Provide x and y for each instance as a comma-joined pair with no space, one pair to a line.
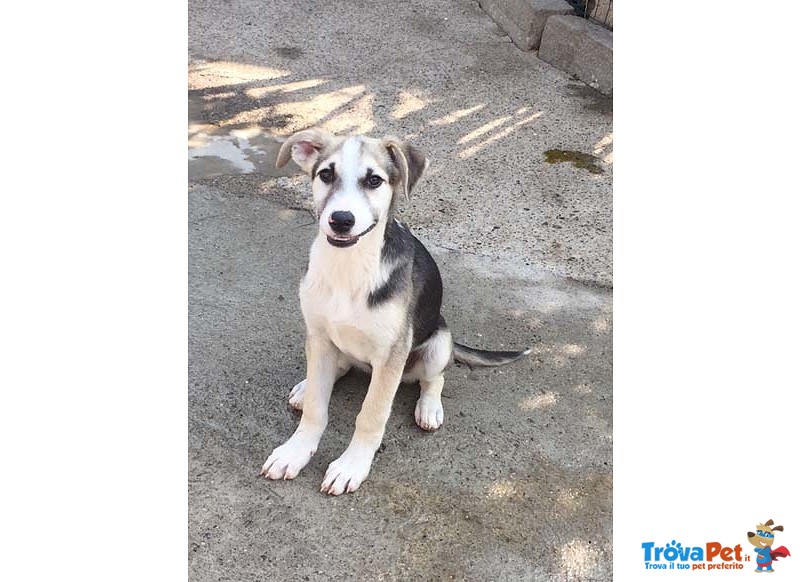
429,412
436,356
297,395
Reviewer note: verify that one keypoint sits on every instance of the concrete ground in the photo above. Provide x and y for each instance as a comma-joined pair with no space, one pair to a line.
516,208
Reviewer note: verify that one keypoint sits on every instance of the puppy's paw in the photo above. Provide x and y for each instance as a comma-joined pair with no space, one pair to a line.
287,460
429,413
347,472
297,394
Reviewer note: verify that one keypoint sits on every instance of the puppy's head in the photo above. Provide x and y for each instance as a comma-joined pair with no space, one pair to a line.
356,181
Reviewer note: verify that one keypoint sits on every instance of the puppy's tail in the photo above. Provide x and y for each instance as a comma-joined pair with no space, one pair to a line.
472,357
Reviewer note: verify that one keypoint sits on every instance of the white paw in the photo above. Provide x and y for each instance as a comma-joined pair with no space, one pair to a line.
287,460
347,472
429,413
296,395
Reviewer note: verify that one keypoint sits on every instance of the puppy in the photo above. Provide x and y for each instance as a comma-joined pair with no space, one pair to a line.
371,298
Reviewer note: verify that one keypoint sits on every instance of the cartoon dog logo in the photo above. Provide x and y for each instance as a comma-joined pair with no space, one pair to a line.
763,540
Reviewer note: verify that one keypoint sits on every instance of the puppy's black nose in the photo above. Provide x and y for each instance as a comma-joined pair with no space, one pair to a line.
341,221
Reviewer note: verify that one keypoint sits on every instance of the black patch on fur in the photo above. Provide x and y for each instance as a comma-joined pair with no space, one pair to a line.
397,243
414,267
442,324
426,300
397,249
396,281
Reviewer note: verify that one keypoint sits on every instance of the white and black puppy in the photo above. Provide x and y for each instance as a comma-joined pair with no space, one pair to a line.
371,298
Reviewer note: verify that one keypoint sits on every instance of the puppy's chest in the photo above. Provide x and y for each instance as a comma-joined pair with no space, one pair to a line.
358,330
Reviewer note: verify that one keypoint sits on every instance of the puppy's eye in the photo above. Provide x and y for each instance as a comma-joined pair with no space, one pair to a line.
326,175
374,181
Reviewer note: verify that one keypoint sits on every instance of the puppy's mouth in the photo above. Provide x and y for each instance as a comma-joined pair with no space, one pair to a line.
348,240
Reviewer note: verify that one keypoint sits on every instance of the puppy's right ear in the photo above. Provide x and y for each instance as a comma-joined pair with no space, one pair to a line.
304,148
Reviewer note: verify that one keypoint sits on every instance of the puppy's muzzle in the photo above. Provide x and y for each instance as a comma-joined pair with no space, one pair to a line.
341,222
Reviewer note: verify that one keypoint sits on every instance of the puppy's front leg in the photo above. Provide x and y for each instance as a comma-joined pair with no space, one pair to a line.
348,471
287,460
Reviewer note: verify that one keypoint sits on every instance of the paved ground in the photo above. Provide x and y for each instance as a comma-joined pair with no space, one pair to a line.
517,483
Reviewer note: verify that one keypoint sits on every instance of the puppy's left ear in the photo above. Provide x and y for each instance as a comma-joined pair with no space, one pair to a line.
409,161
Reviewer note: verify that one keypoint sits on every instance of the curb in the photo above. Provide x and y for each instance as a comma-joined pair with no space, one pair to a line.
568,42
581,48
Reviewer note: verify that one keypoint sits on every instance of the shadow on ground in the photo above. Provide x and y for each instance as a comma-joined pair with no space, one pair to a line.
483,144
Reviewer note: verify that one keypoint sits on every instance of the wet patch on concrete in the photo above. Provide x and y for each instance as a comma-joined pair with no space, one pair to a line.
578,159
216,152
219,149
